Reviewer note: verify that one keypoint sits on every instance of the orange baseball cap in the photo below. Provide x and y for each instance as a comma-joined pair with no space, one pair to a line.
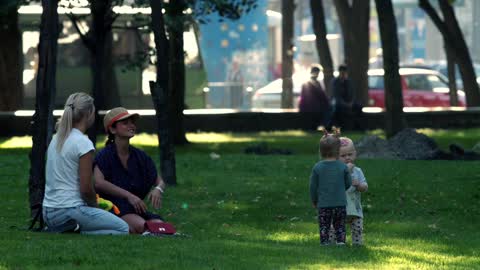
115,115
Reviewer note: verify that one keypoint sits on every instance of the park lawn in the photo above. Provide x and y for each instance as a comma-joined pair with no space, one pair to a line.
253,212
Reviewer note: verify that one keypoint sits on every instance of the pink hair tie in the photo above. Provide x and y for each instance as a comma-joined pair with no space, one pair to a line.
344,142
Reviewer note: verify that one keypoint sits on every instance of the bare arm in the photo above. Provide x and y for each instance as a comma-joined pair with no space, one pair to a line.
362,187
155,196
87,190
104,186
360,184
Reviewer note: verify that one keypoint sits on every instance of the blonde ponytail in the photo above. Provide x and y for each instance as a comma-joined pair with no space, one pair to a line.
77,106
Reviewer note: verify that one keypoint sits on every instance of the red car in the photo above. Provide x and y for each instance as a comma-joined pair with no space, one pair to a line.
421,88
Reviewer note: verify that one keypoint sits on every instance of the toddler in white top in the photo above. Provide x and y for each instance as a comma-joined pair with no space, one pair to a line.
348,155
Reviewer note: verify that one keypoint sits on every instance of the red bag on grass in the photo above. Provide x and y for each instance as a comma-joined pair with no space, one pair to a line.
159,227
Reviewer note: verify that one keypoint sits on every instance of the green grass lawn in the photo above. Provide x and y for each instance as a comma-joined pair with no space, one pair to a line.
253,212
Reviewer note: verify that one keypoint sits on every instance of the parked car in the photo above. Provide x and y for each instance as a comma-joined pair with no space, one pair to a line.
270,96
442,68
421,88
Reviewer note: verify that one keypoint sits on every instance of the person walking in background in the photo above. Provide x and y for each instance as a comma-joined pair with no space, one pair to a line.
69,189
125,174
342,99
328,181
235,80
314,101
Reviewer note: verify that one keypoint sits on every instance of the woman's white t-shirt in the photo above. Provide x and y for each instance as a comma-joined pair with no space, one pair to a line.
62,183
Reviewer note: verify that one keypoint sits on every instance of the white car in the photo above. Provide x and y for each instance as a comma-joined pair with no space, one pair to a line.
270,96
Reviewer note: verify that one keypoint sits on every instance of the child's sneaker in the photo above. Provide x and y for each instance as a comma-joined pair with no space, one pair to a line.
340,243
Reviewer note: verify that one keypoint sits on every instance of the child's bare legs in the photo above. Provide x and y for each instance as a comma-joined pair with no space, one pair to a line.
356,226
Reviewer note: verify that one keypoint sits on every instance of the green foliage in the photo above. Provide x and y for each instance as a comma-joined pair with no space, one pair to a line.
253,212
196,80
7,5
229,9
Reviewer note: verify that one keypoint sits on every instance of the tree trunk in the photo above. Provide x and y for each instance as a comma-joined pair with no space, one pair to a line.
159,91
177,70
452,80
395,120
288,8
42,127
97,33
99,41
354,22
11,61
463,58
321,42
196,30
111,91
452,34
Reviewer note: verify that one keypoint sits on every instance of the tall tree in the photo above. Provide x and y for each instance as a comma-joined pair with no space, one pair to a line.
321,42
394,119
354,21
160,95
99,40
288,7
453,36
452,77
176,27
44,102
179,15
11,57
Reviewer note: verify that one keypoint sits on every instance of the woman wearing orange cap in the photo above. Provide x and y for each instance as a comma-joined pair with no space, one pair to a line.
125,174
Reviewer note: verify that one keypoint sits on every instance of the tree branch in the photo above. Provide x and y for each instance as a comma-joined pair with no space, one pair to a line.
109,20
343,11
88,42
432,13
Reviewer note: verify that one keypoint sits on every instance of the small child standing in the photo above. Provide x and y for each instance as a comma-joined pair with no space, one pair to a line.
328,182
348,155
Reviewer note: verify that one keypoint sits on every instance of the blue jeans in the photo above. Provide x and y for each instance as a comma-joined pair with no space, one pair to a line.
91,220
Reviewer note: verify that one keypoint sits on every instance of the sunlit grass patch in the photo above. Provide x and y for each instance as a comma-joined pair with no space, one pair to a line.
466,138
218,138
423,255
444,132
212,137
17,142
145,139
290,133
292,236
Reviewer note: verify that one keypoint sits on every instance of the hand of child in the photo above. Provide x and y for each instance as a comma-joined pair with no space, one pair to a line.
314,205
355,182
350,166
